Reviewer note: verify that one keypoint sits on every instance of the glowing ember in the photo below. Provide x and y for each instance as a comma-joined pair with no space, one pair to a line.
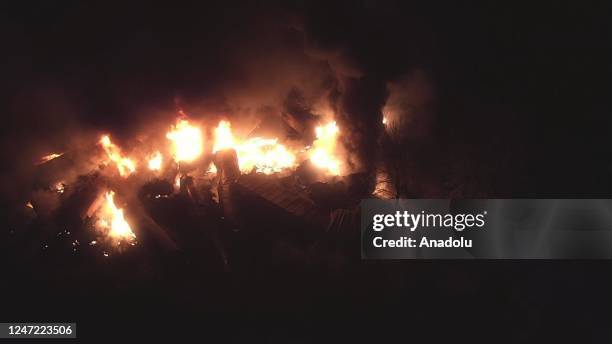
322,153
177,181
384,187
259,154
111,219
59,187
187,141
48,157
155,161
29,205
125,165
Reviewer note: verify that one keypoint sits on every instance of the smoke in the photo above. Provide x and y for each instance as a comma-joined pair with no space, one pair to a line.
277,70
409,110
367,50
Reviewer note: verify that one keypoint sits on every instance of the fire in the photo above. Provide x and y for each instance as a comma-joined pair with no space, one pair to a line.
155,161
264,155
322,152
186,140
223,137
59,187
111,219
125,165
49,157
212,169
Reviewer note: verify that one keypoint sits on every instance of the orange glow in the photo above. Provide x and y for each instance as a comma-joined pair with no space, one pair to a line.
324,147
155,161
125,165
223,137
264,155
112,221
259,154
186,140
59,187
48,157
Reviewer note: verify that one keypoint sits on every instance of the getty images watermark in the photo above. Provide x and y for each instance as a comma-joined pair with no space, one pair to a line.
486,228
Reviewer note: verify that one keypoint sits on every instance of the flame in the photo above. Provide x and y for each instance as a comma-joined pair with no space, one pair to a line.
187,141
263,155
125,165
223,137
48,157
155,161
111,219
323,148
59,187
384,120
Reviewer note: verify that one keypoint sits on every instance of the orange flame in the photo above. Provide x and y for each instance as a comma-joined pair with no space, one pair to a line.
112,221
125,165
48,157
155,161
263,155
187,141
324,147
223,137
59,187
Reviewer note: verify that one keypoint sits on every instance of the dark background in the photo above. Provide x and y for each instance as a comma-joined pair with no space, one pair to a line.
523,86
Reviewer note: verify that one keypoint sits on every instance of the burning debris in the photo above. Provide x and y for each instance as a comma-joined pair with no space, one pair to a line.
196,187
111,220
322,153
155,161
48,157
125,165
259,154
187,141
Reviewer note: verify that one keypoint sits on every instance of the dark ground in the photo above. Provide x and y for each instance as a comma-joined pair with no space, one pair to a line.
522,87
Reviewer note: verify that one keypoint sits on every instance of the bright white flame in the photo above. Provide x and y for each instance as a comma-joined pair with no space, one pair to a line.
59,187
263,155
187,141
111,219
155,161
125,165
323,148
223,137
